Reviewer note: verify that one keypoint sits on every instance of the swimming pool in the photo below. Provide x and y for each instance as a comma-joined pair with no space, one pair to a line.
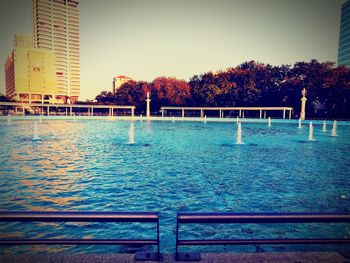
171,167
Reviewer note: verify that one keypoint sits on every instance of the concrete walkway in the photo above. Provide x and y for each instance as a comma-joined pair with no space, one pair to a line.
292,257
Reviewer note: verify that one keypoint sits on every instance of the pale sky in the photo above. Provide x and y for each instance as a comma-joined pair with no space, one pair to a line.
144,39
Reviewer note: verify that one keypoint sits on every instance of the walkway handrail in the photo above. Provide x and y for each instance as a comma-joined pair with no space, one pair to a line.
258,218
75,216
262,110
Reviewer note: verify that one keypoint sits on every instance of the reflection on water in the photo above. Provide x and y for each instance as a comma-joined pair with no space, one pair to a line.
50,170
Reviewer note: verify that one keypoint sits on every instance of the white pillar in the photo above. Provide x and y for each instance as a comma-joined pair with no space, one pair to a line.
148,111
303,106
183,113
260,114
284,113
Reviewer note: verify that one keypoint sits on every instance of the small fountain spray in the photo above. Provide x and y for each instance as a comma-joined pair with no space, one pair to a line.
239,134
173,118
269,121
131,133
334,129
311,132
140,117
36,133
237,120
9,120
324,127
299,126
205,119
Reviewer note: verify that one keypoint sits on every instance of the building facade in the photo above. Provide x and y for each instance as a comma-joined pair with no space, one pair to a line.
118,81
344,36
30,73
56,28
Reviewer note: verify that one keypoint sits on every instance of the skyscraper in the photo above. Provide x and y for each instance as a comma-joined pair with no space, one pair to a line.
56,27
344,36
30,73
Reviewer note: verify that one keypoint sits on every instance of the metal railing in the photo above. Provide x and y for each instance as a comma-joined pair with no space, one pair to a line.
257,218
68,216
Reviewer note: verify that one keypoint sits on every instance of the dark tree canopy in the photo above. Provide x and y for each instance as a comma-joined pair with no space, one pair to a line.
248,84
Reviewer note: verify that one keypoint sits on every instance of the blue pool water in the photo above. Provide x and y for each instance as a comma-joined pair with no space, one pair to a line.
182,166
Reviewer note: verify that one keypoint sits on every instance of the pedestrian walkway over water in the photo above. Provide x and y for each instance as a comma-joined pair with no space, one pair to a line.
240,110
62,109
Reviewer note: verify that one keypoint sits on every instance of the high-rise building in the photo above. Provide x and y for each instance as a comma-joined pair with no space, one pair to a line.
118,81
30,73
344,36
56,27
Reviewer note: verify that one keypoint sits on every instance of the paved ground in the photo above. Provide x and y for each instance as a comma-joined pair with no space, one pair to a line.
292,257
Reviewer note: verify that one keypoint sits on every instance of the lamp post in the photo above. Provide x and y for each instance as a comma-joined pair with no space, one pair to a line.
148,111
303,104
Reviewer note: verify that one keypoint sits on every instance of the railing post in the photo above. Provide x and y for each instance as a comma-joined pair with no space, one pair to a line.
158,241
177,240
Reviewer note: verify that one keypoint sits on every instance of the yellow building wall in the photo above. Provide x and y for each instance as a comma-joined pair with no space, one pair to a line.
35,72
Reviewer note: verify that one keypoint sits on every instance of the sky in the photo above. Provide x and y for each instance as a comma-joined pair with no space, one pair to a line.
145,39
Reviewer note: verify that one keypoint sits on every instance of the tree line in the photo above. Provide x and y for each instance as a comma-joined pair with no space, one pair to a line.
249,84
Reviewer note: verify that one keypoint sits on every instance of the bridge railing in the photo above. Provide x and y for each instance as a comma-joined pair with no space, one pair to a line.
257,218
69,216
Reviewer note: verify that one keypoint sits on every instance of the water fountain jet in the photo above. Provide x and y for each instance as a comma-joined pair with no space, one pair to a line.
299,126
311,132
269,121
239,134
334,129
36,133
132,133
324,127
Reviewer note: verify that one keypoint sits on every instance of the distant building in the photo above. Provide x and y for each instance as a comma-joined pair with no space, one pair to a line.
30,73
344,36
118,81
56,28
